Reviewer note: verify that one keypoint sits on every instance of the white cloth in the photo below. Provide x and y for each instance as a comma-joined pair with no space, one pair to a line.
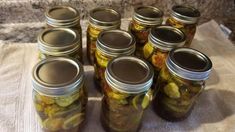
215,110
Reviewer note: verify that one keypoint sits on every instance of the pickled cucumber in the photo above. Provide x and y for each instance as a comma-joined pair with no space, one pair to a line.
73,121
53,124
172,90
148,50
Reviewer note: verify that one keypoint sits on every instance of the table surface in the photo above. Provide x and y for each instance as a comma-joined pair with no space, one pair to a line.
214,111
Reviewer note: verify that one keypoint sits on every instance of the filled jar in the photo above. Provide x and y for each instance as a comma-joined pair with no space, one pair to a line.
110,44
64,17
127,94
59,95
181,81
144,18
186,19
100,19
162,39
57,42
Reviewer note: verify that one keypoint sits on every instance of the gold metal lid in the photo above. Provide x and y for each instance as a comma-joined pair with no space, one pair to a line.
105,18
148,15
189,64
62,16
58,41
57,76
129,74
166,37
115,43
185,14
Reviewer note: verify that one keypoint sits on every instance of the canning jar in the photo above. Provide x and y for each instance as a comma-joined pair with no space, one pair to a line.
180,82
161,40
59,94
100,19
127,94
59,42
144,18
110,44
186,19
65,17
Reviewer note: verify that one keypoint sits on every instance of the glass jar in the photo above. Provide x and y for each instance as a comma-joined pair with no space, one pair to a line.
144,18
59,42
162,39
180,82
59,95
186,19
100,19
110,44
127,94
64,17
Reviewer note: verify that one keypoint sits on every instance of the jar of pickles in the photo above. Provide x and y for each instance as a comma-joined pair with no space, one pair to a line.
110,44
144,18
64,17
59,94
162,39
186,19
100,19
127,94
59,42
181,81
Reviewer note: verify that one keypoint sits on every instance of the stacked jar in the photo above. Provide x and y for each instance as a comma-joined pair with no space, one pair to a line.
111,44
100,19
59,94
144,18
126,94
184,18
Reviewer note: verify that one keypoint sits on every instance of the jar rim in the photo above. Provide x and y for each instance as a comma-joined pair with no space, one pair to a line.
63,88
133,86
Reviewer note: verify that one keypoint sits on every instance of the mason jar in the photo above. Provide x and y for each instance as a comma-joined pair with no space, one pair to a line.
100,19
64,17
181,81
162,39
110,44
127,94
58,42
144,18
59,95
186,19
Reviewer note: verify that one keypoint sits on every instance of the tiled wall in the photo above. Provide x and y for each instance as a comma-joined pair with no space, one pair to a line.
14,11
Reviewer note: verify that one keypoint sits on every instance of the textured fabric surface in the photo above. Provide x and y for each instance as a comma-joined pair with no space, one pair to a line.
214,111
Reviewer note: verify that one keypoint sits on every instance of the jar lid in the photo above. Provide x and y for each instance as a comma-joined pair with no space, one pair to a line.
129,74
148,15
104,17
62,16
189,64
166,37
115,42
57,41
185,14
57,76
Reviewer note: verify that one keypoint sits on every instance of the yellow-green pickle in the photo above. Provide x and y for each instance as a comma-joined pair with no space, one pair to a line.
110,44
127,94
59,94
144,18
181,81
100,19
184,18
64,17
59,42
162,39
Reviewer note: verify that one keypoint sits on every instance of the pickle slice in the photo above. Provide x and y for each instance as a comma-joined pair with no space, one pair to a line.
64,101
164,74
148,51
53,124
172,90
142,99
73,120
45,99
